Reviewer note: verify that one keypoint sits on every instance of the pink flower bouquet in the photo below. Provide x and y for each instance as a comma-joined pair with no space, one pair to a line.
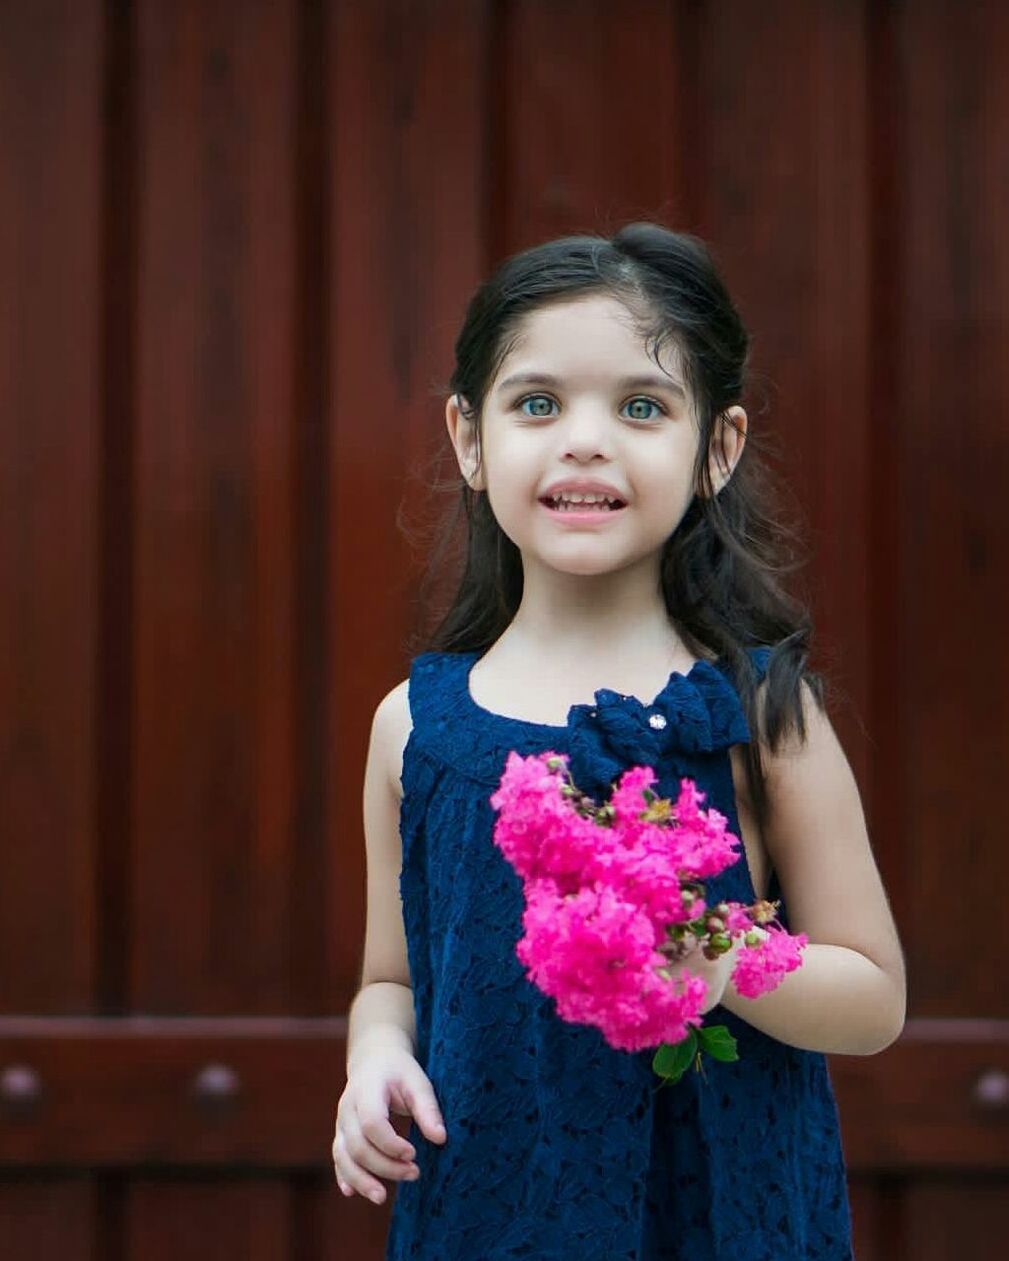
615,908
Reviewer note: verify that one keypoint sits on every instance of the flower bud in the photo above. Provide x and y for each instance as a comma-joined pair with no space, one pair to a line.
722,910
763,912
752,938
720,942
659,811
714,924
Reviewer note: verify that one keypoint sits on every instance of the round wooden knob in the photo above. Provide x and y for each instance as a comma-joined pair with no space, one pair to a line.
991,1090
216,1084
20,1086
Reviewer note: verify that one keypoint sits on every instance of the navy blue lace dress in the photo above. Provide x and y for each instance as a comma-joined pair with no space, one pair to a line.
559,1146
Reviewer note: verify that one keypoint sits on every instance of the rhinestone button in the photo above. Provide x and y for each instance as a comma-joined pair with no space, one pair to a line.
657,722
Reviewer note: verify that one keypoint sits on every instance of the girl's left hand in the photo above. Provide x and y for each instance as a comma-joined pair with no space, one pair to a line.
715,973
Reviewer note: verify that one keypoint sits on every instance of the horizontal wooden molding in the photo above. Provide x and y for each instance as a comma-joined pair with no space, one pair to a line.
147,1027
261,1092
157,1091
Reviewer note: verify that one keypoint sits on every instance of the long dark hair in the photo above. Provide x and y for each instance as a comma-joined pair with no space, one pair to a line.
722,568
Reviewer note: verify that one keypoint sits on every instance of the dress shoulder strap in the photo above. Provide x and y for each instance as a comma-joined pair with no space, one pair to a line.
435,682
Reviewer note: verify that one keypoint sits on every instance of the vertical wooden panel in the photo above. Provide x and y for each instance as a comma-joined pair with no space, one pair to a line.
328,1227
956,1218
50,489
877,1212
210,1218
863,1221
950,481
406,103
46,1219
113,737
309,975
886,149
214,528
593,118
782,169
847,162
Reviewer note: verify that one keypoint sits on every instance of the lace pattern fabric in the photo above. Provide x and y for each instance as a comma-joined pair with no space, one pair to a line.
556,1141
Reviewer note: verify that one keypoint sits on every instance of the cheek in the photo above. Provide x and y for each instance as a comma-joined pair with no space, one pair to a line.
510,468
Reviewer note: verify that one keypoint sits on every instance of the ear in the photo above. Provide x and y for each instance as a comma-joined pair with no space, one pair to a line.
728,437
465,437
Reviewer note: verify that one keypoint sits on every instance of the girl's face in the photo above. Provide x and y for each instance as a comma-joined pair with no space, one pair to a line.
579,409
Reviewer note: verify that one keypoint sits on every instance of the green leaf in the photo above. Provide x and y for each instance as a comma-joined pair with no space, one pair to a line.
671,1061
719,1043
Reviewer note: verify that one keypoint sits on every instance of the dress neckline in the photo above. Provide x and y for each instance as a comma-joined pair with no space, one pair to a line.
648,707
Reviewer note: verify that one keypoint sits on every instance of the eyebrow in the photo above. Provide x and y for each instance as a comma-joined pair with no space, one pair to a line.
642,382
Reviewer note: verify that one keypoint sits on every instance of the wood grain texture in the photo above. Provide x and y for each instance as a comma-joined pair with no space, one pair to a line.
406,198
236,243
782,178
212,919
329,1227
950,484
937,1099
592,118
47,1217
956,1217
877,1216
155,1092
138,1092
50,499
171,1216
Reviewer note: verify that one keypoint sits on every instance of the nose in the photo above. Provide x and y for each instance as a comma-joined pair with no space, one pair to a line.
587,433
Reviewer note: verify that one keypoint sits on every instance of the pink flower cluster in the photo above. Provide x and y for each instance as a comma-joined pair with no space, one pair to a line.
613,900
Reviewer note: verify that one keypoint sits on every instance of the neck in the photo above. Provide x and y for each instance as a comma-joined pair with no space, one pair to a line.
594,615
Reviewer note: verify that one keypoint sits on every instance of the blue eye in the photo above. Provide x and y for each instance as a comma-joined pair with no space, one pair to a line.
537,400
636,404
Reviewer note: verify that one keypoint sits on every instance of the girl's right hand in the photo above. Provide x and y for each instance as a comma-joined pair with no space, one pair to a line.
366,1146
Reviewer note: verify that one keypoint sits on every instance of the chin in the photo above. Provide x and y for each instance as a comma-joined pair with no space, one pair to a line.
589,567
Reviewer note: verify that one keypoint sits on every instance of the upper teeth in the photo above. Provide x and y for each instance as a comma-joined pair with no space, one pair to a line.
574,497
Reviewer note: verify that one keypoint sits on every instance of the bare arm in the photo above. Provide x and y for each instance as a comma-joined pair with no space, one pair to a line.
382,1011
383,1075
849,995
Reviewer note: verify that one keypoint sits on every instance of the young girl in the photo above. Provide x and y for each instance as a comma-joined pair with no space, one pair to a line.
620,605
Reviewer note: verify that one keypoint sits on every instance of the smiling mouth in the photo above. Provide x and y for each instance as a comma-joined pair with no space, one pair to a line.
588,503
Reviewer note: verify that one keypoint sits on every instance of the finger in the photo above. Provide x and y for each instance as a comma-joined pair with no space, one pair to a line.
351,1178
419,1098
345,1188
374,1109
373,1121
358,1178
368,1157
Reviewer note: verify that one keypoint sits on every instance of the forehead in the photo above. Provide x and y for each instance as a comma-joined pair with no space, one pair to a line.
590,338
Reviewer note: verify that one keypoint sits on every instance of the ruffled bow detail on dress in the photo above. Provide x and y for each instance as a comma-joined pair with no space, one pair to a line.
699,712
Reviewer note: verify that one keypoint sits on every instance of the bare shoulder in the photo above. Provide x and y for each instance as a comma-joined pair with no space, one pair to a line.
808,772
390,730
800,757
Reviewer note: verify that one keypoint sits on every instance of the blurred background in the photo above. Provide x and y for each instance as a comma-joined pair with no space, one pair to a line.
236,240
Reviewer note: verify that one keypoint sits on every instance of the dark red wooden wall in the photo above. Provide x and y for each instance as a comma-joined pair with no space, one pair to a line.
236,239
